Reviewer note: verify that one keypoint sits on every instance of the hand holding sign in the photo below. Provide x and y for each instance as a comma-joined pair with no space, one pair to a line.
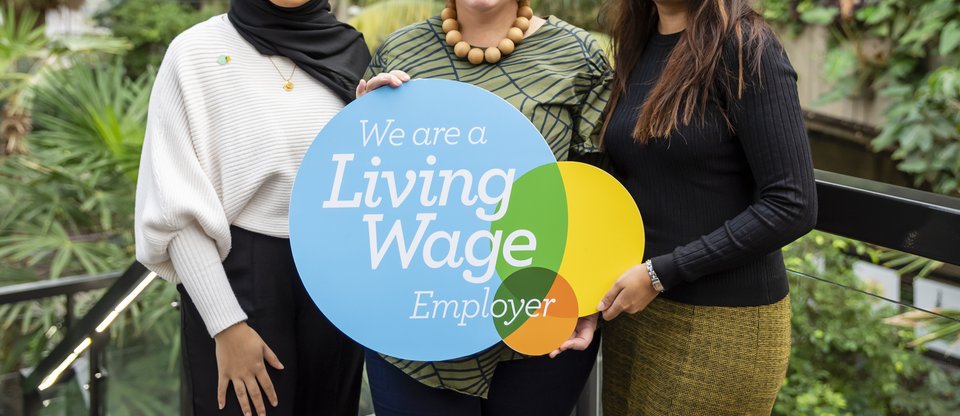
392,78
427,232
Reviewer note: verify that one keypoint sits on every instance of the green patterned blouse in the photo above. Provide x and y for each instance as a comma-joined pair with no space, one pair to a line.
558,77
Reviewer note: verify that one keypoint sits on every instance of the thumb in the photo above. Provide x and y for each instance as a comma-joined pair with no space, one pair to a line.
271,358
608,298
361,88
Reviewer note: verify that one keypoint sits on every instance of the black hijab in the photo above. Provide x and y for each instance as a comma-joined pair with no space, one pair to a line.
310,35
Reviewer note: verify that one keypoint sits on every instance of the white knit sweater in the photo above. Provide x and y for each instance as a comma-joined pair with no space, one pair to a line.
223,145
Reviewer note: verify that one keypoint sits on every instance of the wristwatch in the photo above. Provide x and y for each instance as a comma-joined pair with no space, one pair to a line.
654,280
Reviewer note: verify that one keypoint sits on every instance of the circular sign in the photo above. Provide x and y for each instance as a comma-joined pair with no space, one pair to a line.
428,231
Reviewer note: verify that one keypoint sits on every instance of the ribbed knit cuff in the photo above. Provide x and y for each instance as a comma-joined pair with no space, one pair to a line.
197,262
666,270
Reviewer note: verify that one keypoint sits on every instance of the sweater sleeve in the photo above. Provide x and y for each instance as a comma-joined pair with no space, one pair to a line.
768,123
596,94
182,232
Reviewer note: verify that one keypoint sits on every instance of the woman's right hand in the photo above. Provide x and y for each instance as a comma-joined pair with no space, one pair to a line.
393,78
241,354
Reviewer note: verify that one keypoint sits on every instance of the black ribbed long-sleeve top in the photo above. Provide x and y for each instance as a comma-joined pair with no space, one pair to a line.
719,204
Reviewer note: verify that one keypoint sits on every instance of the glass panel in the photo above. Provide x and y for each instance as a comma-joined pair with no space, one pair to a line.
143,379
143,371
66,398
856,349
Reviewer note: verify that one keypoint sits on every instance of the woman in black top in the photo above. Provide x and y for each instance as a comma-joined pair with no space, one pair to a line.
706,133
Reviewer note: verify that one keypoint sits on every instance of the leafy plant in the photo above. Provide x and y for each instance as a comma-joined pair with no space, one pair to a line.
845,359
906,50
946,327
926,130
150,25
26,57
74,193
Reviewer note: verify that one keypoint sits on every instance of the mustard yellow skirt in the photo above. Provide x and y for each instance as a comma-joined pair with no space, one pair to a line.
679,359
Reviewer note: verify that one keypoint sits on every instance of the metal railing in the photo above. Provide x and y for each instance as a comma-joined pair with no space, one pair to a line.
90,332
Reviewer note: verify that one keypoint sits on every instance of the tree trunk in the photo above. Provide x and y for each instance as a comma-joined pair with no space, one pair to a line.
14,128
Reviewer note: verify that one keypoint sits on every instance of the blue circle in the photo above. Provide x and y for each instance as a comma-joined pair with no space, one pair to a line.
425,128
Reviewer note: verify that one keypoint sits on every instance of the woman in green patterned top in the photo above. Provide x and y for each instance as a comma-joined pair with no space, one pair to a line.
557,75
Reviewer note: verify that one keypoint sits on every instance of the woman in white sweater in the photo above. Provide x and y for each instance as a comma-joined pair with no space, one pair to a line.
237,101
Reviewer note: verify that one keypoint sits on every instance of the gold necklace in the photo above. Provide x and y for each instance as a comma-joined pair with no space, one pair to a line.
288,81
493,54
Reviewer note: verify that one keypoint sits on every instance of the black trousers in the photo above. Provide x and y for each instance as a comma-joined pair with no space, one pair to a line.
322,367
537,386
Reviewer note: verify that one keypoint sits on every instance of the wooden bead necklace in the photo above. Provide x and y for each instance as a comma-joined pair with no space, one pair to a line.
493,54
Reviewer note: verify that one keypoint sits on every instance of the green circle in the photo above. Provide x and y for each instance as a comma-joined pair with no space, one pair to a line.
538,203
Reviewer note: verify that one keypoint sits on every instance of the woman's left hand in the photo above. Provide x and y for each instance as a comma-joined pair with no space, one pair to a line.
582,335
631,293
393,78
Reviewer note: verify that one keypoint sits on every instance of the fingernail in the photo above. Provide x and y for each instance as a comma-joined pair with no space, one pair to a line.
601,306
281,366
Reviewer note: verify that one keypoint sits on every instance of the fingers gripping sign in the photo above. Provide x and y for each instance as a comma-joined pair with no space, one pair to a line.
393,78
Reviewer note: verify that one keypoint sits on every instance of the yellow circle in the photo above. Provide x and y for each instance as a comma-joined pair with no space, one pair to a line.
604,233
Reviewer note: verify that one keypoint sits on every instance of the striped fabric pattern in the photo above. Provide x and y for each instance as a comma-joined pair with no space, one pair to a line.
558,77
469,375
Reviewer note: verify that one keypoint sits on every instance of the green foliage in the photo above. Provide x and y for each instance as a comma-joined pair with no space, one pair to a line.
907,50
26,57
150,25
91,116
142,360
20,39
75,189
926,130
74,215
580,13
74,194
378,20
26,54
846,360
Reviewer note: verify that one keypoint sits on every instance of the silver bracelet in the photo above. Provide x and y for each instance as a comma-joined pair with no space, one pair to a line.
654,280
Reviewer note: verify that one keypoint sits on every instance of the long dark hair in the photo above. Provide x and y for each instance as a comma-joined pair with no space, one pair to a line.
695,71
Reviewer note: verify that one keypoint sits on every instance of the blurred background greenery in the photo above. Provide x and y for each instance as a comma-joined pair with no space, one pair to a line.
73,113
